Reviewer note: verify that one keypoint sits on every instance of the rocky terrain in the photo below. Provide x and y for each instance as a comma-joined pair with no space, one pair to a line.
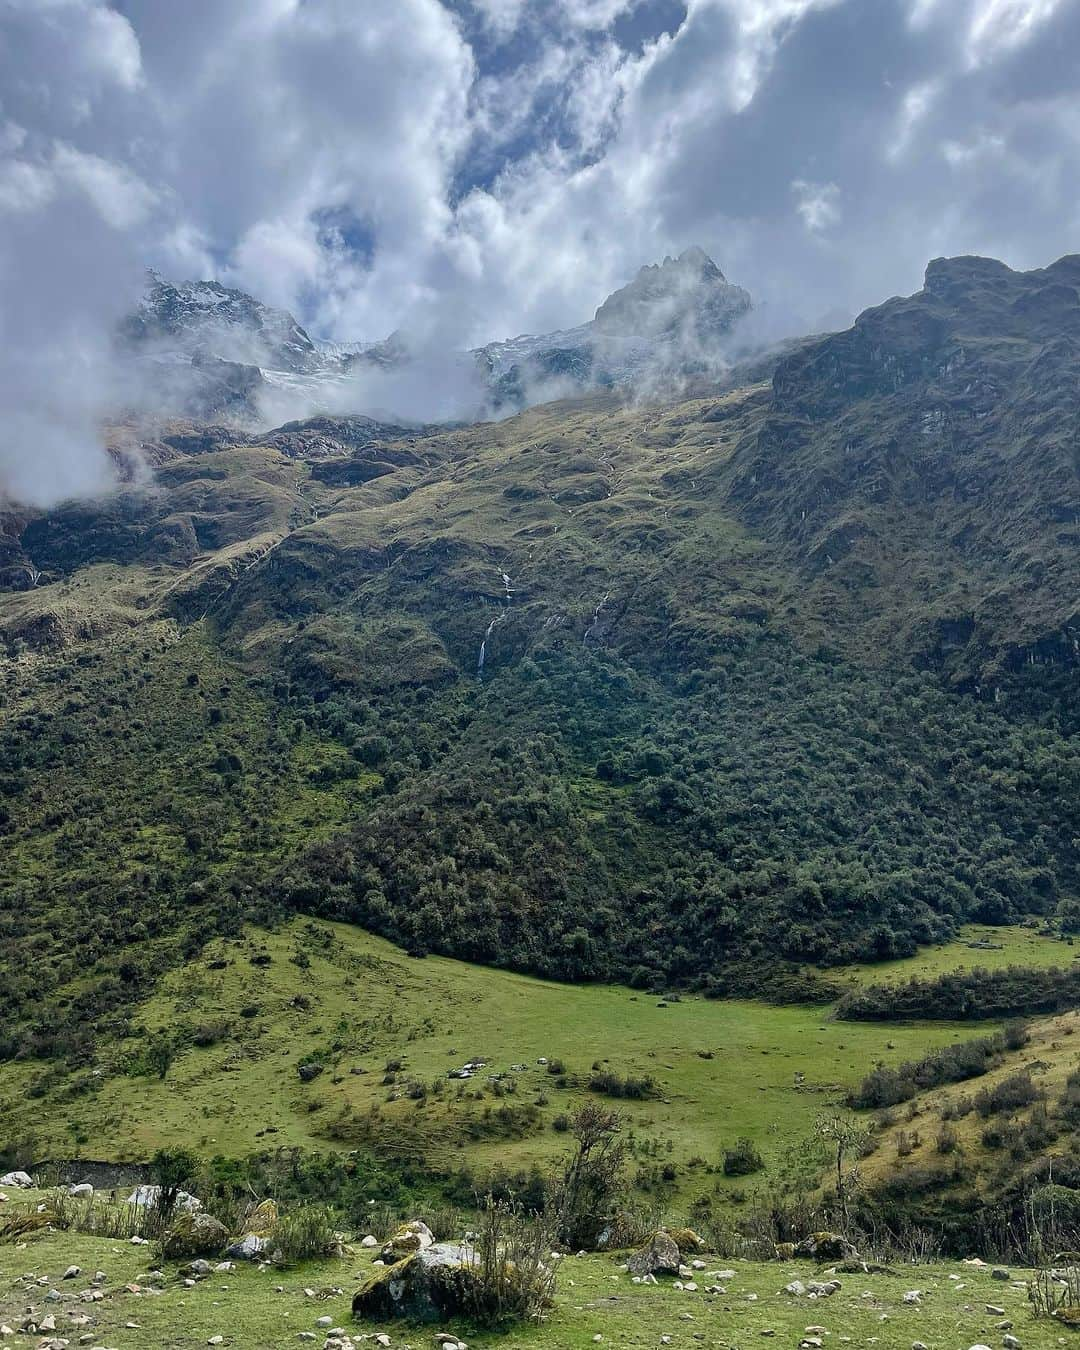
207,351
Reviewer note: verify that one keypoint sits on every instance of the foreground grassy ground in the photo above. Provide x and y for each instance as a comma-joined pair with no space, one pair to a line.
334,995
255,1310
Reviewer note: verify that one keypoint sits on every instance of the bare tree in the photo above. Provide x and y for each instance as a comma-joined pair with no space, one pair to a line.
841,1135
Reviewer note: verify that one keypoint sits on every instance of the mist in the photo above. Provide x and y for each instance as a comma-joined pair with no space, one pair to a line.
465,171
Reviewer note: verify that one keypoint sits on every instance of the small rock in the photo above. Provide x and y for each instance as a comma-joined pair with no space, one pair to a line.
71,1273
767,1331
137,1241
324,1321
369,1241
382,1339
1010,1343
597,1339
82,1190
998,1273
913,1296
918,1345
995,1311
47,1323
796,1288
216,1340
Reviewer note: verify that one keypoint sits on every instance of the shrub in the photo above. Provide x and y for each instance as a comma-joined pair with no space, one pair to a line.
511,1283
1007,1096
304,1234
634,1089
742,1159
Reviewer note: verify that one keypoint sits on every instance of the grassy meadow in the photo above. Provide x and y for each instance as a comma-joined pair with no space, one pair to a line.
387,1030
595,1303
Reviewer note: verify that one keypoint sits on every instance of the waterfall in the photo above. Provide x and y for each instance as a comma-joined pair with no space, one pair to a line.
483,645
596,618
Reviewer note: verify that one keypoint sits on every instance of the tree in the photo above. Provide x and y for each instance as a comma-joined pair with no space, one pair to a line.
171,1169
583,1194
842,1134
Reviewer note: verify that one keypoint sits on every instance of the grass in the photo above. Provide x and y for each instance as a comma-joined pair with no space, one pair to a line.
253,1310
725,1069
1016,946
1050,1055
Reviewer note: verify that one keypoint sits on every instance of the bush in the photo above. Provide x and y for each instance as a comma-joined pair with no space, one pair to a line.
742,1160
1007,1096
511,1282
634,1089
886,1086
304,1234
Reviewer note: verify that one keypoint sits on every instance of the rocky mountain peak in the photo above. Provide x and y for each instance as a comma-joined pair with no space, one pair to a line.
686,294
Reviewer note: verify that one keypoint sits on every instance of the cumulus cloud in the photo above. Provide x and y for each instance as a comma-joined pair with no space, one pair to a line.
471,169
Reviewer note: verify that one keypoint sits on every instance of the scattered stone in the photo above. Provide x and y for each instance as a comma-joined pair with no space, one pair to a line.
918,1345
767,1331
216,1340
995,1311
998,1273
382,1339
47,1323
796,1289
913,1296
81,1190
309,1072
369,1241
21,1179
137,1241
324,1321
1010,1343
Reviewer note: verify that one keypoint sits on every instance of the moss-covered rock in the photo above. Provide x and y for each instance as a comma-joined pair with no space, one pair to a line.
686,1240
192,1234
659,1256
431,1285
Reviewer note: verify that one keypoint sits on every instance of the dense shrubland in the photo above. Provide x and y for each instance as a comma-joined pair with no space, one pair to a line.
967,994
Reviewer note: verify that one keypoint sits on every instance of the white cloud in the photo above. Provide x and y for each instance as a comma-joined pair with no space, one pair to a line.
356,162
817,204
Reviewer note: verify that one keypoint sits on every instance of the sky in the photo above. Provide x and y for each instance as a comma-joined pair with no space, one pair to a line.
474,169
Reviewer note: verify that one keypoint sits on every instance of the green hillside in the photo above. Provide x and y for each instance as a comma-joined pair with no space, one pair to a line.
679,697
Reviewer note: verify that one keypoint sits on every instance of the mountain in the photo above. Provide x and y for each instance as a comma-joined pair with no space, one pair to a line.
675,320
692,692
210,351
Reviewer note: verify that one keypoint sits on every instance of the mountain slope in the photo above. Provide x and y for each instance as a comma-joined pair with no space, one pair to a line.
580,692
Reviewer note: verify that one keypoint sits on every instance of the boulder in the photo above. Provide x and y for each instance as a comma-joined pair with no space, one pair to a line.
193,1233
309,1072
686,1240
659,1256
409,1238
826,1247
23,1179
249,1248
432,1284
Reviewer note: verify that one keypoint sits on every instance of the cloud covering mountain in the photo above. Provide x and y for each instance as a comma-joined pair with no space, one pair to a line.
475,168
